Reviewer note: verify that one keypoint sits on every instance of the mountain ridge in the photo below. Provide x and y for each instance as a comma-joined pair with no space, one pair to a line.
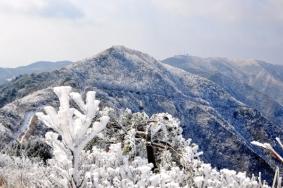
222,126
238,79
7,74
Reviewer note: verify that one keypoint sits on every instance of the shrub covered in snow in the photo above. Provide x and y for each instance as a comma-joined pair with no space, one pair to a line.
20,172
76,127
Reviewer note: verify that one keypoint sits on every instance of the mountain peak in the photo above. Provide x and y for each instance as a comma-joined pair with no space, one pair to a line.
120,49
129,52
118,54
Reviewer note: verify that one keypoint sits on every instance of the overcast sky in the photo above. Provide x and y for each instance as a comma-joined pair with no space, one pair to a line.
33,30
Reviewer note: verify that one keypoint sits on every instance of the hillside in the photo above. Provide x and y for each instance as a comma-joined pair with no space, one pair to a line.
255,83
221,125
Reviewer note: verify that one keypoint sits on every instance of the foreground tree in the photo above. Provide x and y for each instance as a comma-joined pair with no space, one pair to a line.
76,128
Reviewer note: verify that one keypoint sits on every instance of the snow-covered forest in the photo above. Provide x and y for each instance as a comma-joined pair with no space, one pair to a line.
102,147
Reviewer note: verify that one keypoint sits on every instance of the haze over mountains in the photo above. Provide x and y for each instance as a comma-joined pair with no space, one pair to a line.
7,74
222,105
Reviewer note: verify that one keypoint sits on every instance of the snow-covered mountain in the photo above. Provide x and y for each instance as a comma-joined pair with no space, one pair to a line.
220,124
255,83
7,74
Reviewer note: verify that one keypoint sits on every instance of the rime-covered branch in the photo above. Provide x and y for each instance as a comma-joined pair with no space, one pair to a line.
76,128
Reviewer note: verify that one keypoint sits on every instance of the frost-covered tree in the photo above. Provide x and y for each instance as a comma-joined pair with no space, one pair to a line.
73,130
176,159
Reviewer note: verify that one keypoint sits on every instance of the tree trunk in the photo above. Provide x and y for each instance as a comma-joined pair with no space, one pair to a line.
150,151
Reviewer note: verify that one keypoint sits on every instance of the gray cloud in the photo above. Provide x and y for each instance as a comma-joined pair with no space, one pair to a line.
42,8
60,9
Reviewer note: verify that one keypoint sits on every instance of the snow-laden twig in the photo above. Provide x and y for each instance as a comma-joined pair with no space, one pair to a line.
75,126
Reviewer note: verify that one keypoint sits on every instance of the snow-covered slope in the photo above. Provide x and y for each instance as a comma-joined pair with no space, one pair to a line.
266,78
7,74
222,126
255,83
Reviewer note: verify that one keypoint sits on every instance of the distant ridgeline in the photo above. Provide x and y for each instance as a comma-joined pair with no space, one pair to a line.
8,74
